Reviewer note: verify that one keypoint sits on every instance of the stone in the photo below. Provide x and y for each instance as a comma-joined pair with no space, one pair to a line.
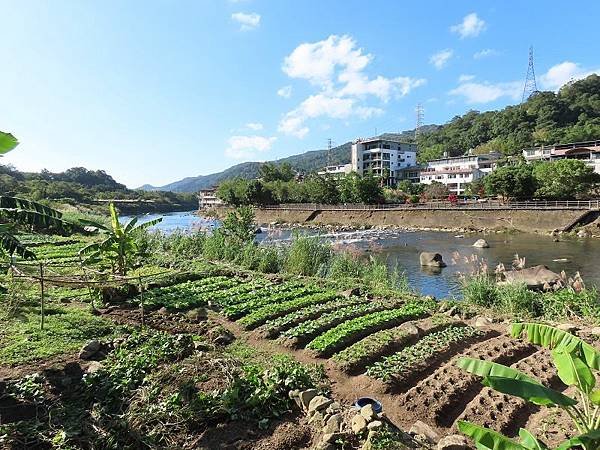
351,292
422,429
197,314
410,328
330,438
335,407
316,418
454,442
359,424
306,396
367,412
534,277
375,424
318,403
90,349
431,259
595,331
163,311
94,367
568,327
333,424
583,233
482,322
481,243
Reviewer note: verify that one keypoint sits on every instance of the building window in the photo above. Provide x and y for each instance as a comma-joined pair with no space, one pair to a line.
386,156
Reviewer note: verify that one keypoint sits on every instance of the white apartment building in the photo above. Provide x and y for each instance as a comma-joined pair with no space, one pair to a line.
379,156
336,171
457,171
208,198
588,152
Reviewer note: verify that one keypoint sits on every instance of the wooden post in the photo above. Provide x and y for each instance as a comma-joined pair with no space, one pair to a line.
86,280
142,301
42,296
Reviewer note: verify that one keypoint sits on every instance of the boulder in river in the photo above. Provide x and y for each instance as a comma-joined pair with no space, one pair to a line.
431,259
534,277
481,243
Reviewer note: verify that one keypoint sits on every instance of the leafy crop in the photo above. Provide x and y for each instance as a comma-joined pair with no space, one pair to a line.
401,363
265,313
364,350
311,328
188,294
274,327
272,297
337,337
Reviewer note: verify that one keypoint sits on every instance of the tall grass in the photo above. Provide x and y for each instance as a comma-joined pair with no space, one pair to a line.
307,255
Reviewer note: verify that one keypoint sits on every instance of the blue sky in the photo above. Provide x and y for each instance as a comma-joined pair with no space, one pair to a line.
153,91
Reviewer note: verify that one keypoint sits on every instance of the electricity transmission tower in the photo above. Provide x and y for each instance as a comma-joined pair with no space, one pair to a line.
329,155
420,117
530,87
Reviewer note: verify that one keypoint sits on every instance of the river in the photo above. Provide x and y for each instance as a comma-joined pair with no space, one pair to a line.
402,248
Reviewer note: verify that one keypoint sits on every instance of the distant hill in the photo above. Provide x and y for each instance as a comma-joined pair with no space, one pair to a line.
307,162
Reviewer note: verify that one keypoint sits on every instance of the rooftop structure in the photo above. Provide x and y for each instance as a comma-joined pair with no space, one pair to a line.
338,170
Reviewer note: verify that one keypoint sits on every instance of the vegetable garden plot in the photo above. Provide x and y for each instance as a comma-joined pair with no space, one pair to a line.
444,394
272,311
353,330
188,294
425,352
273,328
299,335
59,252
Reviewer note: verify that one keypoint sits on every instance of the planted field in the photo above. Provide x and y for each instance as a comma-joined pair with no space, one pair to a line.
59,252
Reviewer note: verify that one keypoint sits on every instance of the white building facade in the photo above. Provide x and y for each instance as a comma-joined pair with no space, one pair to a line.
458,171
208,198
336,171
588,152
383,157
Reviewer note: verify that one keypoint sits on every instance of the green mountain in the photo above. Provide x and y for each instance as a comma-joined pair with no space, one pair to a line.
307,162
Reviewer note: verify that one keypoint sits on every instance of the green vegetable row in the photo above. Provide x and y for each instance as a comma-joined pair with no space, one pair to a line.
402,363
267,312
188,294
338,337
361,352
276,326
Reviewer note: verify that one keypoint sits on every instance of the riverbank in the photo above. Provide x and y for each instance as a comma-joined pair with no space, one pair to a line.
458,220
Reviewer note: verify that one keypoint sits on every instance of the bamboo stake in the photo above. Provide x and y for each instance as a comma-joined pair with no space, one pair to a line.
86,280
142,301
42,296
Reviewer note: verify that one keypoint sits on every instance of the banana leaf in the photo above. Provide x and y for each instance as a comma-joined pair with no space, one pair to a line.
589,440
486,439
7,142
487,368
553,338
573,371
529,441
535,393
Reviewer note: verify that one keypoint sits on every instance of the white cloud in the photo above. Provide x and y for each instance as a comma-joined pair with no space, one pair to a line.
488,92
285,92
463,78
247,21
441,58
485,53
471,26
245,147
562,73
254,126
336,68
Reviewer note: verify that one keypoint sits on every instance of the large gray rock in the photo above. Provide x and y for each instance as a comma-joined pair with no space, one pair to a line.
306,396
359,424
368,412
431,259
481,243
422,429
534,277
90,349
318,403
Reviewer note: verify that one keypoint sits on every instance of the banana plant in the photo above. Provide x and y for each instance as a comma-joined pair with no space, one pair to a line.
7,142
575,361
120,245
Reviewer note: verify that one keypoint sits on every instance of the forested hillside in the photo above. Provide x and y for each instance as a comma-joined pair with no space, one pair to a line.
80,188
572,114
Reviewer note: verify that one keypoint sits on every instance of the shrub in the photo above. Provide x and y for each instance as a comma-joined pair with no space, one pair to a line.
307,255
480,290
516,299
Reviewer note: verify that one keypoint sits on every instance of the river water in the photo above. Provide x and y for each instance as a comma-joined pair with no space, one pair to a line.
402,248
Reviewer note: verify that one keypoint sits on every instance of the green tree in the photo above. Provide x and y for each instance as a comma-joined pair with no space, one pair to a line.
276,172
435,191
234,191
239,225
120,246
513,181
564,179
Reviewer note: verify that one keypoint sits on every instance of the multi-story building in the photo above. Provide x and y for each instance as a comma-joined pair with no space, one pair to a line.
588,152
457,171
336,171
208,198
383,157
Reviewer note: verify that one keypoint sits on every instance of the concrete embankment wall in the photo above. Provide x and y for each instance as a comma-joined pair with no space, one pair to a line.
542,221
